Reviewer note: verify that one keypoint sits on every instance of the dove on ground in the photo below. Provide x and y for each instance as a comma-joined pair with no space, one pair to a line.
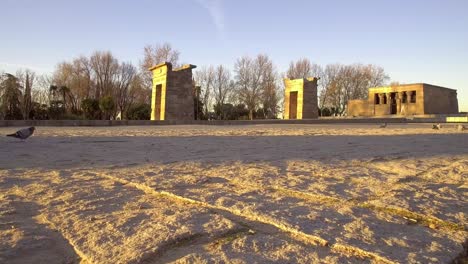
436,127
384,125
23,133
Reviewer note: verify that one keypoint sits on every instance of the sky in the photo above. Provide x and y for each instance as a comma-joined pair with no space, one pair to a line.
414,41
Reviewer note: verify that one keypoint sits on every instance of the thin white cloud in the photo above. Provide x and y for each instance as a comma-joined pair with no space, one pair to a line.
13,67
215,9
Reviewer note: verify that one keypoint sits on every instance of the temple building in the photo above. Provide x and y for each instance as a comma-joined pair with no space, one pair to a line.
300,99
172,94
407,99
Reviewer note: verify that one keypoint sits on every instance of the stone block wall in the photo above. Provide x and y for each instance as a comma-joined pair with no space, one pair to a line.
160,73
402,108
358,108
407,99
180,94
176,92
306,105
440,100
310,102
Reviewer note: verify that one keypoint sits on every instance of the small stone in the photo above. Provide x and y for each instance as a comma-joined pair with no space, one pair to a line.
143,207
432,226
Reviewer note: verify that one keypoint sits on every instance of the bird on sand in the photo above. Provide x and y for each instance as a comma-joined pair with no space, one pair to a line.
23,133
461,127
384,125
436,127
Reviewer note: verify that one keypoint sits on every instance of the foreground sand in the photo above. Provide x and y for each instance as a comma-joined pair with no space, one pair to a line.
237,194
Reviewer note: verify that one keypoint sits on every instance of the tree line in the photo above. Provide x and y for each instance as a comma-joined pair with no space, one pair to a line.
100,86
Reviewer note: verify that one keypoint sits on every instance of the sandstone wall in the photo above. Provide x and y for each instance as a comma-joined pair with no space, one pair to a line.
176,98
180,95
159,78
358,108
306,97
440,100
408,108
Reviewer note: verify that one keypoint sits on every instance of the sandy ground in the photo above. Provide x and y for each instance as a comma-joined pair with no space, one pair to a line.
234,194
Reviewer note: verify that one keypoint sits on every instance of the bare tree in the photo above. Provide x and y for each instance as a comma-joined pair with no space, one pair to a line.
138,93
205,78
327,77
83,71
26,80
40,93
223,86
247,87
300,69
156,54
66,86
376,75
123,82
96,77
348,82
252,76
105,67
270,90
77,77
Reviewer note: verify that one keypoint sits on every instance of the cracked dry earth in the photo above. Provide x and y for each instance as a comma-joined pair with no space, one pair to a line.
235,194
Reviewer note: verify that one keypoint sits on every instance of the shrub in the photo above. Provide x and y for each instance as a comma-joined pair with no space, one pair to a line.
70,116
325,111
90,108
56,109
107,106
139,112
39,111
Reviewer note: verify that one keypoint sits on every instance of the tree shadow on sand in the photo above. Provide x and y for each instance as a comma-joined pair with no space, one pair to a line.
89,152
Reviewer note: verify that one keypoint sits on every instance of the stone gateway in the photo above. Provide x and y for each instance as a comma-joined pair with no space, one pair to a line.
172,94
300,98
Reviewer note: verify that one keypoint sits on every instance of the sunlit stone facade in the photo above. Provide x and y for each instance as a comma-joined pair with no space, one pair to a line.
172,94
300,98
408,99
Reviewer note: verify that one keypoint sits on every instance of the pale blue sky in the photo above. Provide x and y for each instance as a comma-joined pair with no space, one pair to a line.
415,41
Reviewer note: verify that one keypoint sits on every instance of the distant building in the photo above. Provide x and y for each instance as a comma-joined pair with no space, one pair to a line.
408,99
173,92
300,98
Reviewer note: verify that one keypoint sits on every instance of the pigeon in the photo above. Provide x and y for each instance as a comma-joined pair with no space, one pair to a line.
461,127
23,133
436,127
384,125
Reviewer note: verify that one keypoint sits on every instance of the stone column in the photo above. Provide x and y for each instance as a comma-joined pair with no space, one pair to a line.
398,103
381,98
389,103
403,105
